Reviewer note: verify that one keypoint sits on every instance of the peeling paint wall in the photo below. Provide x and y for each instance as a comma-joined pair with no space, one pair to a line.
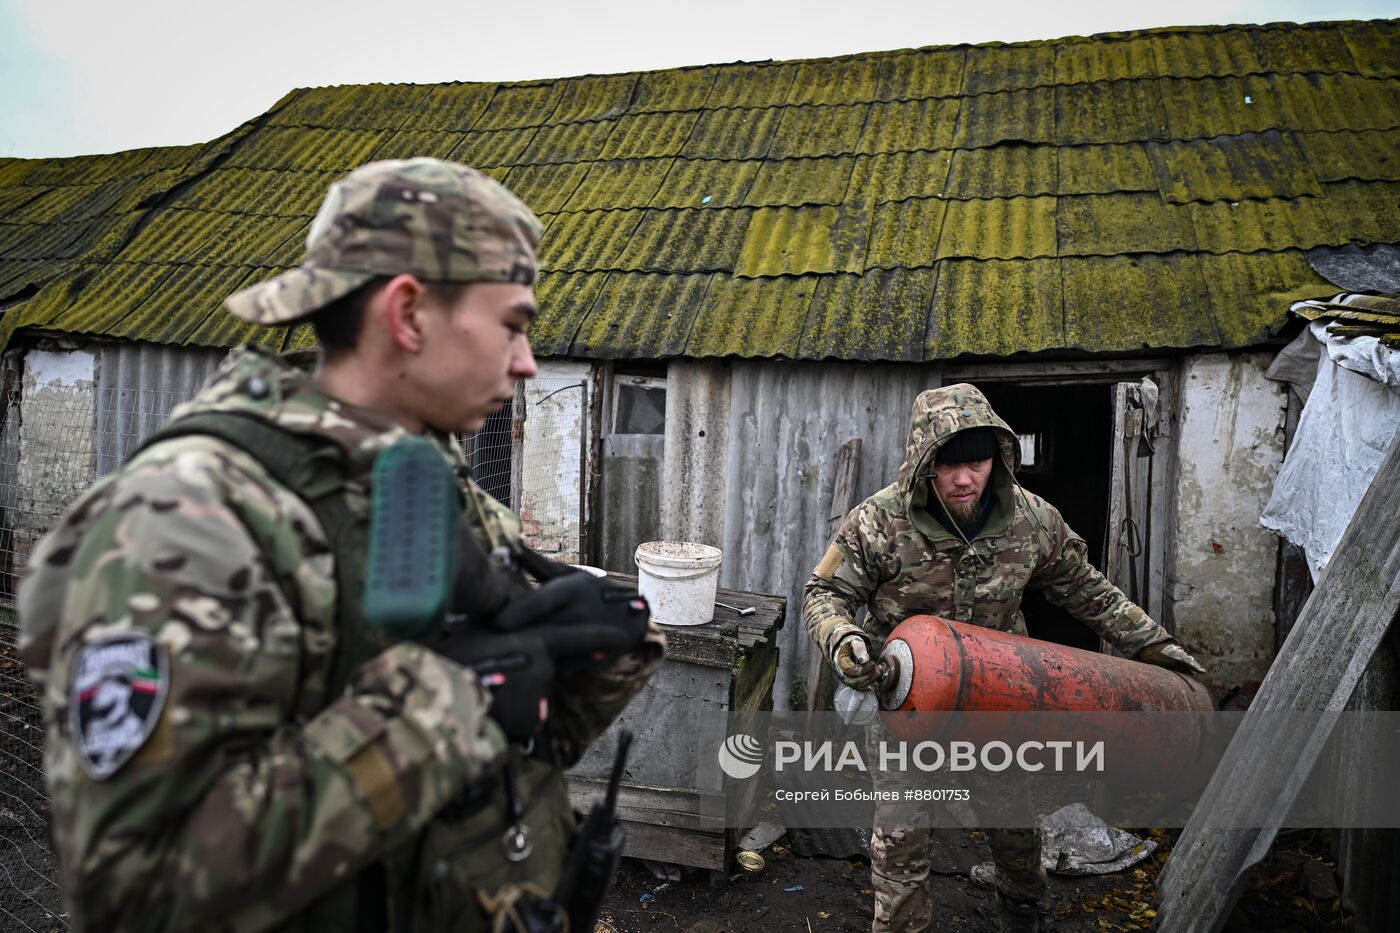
1231,445
53,441
555,432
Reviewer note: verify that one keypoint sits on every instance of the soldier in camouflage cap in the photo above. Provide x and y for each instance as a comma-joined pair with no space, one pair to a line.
438,221
232,744
955,536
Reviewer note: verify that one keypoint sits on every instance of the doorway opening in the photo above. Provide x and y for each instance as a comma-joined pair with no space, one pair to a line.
1066,437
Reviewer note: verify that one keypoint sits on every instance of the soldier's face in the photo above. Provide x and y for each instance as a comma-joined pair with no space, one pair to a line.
474,353
960,487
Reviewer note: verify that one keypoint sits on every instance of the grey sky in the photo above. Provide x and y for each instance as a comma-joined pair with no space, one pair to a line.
86,76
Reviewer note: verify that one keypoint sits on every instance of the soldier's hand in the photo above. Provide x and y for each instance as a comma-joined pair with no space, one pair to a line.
1172,656
516,668
854,666
580,618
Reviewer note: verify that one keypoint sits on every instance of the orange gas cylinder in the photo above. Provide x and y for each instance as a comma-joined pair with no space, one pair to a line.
956,667
939,670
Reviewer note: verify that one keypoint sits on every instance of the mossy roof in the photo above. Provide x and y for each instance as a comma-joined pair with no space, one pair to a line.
1149,190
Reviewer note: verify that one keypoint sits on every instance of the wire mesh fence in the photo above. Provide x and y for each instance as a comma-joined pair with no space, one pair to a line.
57,439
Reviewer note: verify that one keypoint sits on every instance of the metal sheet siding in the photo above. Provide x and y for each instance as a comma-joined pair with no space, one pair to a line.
786,423
137,386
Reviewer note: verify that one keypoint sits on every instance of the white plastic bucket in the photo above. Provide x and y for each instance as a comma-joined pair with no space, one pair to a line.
679,579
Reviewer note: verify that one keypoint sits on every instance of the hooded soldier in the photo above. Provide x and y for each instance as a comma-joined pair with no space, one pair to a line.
955,536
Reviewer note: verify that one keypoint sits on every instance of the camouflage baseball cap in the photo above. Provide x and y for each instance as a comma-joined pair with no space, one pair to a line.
439,221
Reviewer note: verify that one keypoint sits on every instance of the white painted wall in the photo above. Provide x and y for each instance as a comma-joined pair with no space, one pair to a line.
555,431
1231,446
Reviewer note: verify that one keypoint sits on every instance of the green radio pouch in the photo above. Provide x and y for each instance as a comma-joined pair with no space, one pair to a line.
414,512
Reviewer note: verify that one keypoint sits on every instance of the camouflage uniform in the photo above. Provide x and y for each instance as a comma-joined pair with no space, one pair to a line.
276,787
892,557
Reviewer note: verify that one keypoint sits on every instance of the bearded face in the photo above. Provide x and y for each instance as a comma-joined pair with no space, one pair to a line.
959,486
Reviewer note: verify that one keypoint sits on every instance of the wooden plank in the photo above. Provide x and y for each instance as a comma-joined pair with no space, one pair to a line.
821,683
1054,373
723,641
675,825
1326,654
677,846
673,807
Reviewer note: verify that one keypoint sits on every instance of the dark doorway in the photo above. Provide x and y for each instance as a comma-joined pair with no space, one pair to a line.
1067,436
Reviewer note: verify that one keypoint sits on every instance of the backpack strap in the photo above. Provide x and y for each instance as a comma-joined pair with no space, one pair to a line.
280,452
313,469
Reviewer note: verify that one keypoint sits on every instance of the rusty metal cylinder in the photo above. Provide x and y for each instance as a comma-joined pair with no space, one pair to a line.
942,669
953,666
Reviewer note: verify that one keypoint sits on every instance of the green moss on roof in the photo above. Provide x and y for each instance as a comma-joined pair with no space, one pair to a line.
673,241
818,131
904,234
650,135
706,184
769,314
1132,303
999,228
638,314
1003,172
837,81
995,308
1106,224
798,241
896,176
798,182
883,313
619,184
1114,193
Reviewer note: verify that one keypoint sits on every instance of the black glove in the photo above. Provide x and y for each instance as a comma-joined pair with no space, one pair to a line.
580,618
516,668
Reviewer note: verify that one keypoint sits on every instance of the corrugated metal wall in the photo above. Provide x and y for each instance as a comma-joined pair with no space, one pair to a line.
785,424
137,385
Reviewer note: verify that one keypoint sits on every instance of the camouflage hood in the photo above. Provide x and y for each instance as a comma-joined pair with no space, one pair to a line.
271,388
938,415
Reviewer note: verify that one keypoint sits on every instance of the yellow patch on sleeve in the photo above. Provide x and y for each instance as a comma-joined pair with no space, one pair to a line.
375,776
830,562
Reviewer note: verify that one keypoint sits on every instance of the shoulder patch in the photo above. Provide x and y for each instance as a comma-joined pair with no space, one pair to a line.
117,691
830,562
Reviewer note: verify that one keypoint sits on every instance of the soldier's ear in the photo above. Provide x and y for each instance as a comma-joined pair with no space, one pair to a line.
402,306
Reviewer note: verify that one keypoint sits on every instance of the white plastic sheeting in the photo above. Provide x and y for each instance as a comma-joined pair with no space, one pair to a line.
1351,416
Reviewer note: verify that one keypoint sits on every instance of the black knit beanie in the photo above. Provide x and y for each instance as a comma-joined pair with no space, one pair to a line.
968,446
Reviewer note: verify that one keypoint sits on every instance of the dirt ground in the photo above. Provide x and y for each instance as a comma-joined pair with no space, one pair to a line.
1292,891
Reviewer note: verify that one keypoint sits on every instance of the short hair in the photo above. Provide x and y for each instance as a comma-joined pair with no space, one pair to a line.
337,326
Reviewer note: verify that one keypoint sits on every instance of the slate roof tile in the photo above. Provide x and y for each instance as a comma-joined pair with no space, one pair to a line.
1117,193
804,240
904,234
994,308
880,315
999,228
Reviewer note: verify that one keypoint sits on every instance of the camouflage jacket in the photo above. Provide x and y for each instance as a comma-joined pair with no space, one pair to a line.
891,556
235,791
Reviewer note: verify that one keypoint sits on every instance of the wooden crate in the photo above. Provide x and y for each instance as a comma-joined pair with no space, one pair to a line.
673,797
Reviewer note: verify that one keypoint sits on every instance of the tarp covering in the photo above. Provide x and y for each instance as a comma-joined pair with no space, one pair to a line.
1351,416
